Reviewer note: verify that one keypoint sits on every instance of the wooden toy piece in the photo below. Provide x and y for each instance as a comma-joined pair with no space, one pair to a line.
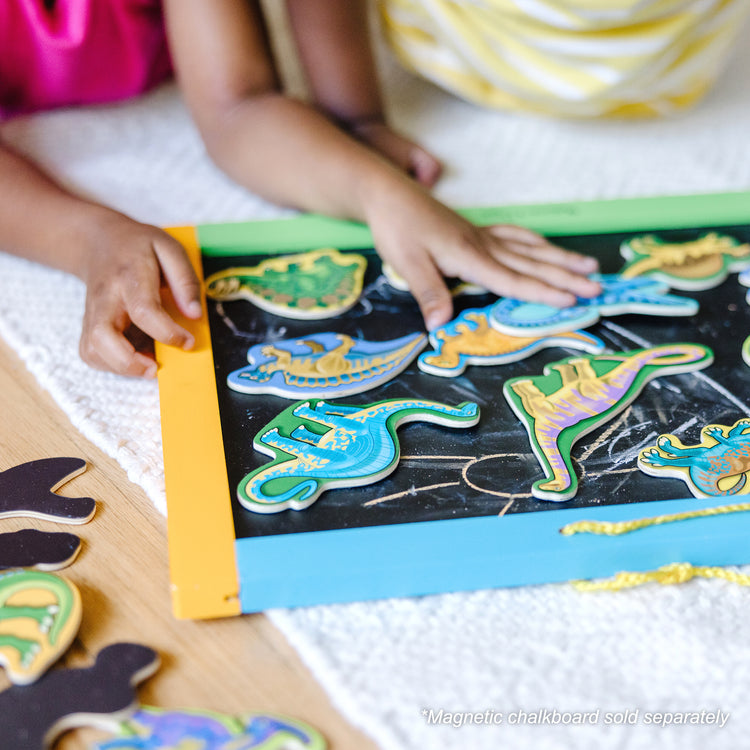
470,340
42,550
576,395
39,616
457,287
29,490
163,729
317,446
308,286
694,265
100,695
718,465
324,364
618,296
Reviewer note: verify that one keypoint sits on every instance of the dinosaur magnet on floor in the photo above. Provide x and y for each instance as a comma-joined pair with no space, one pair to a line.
101,695
470,340
694,265
718,465
42,550
619,296
39,616
163,729
324,364
316,445
576,395
29,489
307,286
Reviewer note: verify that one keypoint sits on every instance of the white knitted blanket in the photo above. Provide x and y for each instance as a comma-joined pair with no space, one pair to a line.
392,666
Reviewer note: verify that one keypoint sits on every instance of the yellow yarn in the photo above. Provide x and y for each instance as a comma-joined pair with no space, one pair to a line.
623,527
666,575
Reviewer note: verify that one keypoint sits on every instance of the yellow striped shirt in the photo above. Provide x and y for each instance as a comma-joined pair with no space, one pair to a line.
577,58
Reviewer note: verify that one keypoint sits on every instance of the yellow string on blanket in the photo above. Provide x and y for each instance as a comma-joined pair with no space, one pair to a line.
666,575
611,528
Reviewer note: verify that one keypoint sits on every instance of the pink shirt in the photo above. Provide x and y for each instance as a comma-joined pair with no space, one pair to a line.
80,52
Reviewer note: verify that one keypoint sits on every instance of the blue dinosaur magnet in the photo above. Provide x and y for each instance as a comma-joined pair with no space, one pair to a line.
330,365
317,445
162,729
470,340
718,465
619,296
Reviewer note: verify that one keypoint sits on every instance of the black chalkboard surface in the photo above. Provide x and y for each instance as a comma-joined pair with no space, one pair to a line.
488,469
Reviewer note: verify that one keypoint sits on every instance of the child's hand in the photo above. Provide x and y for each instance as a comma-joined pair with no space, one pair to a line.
124,267
425,241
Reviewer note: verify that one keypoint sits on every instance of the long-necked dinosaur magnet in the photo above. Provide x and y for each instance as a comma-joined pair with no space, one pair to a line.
318,445
576,395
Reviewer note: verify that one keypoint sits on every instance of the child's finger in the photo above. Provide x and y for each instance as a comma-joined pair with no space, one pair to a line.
179,275
536,246
425,168
504,279
104,347
146,312
556,256
428,288
553,275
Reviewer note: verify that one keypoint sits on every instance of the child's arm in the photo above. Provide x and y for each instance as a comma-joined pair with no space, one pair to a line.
334,46
120,260
292,154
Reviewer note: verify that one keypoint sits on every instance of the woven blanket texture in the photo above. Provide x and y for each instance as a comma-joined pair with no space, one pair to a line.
653,649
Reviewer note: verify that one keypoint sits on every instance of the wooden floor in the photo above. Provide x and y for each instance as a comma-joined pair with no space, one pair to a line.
234,665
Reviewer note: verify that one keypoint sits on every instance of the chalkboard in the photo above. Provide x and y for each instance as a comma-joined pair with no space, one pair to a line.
485,472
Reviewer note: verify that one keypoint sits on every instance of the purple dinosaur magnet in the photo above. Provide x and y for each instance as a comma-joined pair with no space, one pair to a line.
29,490
43,550
163,729
33,716
576,395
